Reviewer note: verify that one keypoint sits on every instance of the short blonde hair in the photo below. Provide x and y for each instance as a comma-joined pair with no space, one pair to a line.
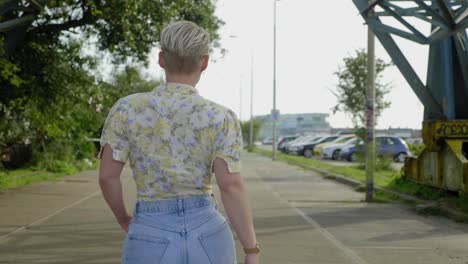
183,44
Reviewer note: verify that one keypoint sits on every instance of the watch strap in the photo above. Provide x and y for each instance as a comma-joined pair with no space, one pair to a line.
254,250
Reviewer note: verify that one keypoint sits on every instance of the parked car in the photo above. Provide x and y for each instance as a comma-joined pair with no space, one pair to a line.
285,147
338,140
333,151
298,147
349,153
267,141
309,148
386,146
285,139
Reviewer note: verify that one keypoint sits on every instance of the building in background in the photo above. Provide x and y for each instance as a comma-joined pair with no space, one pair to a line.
291,124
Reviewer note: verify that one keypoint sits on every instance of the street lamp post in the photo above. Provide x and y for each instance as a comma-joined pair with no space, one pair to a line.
240,98
251,128
274,115
370,129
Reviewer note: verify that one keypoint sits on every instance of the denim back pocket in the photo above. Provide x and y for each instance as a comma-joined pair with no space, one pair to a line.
219,245
143,249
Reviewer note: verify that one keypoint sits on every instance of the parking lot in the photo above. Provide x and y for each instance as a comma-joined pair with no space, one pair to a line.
395,165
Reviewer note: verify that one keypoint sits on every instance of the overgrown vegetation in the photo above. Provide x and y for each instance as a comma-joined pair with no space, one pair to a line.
416,149
53,97
246,130
10,179
384,177
352,85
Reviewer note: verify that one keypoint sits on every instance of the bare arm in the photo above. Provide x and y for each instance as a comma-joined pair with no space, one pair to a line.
111,186
236,205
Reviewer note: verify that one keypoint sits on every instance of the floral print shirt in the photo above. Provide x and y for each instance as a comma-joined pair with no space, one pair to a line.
171,137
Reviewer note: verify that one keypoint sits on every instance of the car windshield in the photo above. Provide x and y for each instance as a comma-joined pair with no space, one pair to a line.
341,140
326,139
311,140
351,141
403,142
317,139
300,139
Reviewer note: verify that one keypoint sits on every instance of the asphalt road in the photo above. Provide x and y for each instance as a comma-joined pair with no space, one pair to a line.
299,216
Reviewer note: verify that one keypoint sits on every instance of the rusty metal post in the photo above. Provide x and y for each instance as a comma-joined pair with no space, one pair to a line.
370,122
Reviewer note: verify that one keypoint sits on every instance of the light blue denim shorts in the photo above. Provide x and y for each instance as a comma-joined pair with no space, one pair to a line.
186,230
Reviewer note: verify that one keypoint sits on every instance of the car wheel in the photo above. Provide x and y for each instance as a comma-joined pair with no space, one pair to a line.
308,153
400,157
352,157
336,154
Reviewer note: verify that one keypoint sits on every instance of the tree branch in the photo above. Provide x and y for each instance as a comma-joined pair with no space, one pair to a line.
87,18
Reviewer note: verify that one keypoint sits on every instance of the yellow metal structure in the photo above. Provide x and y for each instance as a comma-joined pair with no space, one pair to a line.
444,162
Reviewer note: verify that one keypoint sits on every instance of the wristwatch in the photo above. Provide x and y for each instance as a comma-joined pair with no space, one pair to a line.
254,250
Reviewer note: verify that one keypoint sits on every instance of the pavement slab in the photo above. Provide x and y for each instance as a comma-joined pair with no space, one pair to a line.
300,218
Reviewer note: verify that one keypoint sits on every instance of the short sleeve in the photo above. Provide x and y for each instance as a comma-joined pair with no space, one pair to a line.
114,134
228,142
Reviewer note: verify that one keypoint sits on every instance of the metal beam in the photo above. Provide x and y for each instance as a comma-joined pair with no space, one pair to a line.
435,16
461,46
462,20
445,10
460,26
403,65
416,32
378,26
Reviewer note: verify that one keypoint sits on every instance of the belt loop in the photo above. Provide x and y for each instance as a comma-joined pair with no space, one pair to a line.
135,211
215,201
180,206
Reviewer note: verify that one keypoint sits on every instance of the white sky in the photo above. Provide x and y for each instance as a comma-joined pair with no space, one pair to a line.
312,39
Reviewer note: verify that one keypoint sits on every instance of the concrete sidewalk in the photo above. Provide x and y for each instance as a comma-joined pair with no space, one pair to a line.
299,217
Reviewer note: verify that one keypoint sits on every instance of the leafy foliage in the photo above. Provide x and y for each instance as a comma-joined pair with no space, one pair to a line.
51,98
246,130
351,89
416,149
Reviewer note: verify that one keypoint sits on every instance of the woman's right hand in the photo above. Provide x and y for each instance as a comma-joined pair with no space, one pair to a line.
252,259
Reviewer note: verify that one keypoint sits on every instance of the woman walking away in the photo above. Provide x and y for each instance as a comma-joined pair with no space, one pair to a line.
175,139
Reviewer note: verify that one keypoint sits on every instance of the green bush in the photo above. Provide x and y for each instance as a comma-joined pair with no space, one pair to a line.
381,163
245,126
416,149
55,130
3,176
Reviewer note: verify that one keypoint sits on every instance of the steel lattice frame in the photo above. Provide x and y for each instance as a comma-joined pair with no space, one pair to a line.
446,91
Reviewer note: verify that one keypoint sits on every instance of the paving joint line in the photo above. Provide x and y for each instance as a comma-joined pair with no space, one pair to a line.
25,227
347,251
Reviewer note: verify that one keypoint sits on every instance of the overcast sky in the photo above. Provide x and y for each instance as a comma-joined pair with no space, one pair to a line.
312,39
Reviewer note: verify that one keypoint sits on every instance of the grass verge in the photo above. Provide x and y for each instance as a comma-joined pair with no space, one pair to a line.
445,203
10,179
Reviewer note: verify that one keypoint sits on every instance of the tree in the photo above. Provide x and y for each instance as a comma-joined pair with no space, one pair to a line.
246,129
126,28
351,89
50,97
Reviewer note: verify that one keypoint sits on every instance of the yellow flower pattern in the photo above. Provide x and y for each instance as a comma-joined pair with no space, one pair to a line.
171,137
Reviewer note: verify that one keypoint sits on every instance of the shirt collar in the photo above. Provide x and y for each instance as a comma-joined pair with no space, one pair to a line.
178,88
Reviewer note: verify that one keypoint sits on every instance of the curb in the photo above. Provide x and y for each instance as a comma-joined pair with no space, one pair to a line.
353,183
426,207
423,206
